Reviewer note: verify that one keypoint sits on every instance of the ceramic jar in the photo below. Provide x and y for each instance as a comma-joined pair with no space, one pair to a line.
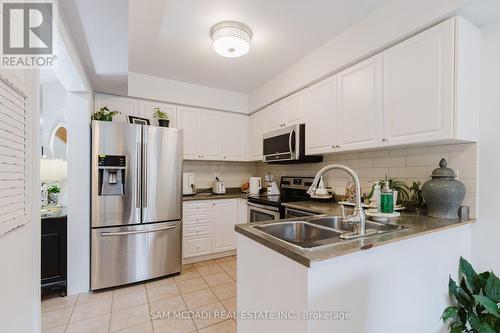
443,194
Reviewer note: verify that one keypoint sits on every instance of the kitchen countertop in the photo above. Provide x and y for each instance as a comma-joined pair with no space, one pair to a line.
231,193
418,225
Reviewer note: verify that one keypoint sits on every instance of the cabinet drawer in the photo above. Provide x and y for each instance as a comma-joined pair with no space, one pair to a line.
196,206
196,230
197,246
196,219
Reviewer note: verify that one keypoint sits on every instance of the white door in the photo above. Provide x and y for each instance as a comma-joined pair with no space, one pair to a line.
257,126
190,124
224,216
359,113
126,106
418,87
292,109
147,110
320,110
235,137
212,135
275,115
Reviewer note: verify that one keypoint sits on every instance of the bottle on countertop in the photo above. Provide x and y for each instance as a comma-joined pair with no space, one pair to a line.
386,199
376,196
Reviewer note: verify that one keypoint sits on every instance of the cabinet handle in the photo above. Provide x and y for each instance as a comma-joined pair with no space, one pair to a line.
385,140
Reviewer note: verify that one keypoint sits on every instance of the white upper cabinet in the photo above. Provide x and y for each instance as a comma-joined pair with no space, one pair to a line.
359,113
191,126
275,116
257,126
287,112
126,106
235,137
320,110
212,135
418,87
147,109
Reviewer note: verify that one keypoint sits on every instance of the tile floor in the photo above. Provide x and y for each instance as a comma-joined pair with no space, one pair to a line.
204,286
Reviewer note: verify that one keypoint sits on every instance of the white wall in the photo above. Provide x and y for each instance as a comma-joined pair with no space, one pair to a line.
486,233
393,22
53,112
151,87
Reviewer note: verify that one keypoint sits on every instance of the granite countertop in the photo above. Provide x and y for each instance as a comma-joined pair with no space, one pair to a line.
205,194
52,214
418,225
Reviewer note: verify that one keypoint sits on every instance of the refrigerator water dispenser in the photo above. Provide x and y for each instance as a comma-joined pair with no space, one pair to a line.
111,174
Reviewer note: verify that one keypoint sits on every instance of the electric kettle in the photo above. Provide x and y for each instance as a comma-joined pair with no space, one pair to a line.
255,185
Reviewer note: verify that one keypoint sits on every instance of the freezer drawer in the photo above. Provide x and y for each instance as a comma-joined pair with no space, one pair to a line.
122,255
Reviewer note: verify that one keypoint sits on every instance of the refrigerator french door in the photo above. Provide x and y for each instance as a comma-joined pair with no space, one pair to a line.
136,203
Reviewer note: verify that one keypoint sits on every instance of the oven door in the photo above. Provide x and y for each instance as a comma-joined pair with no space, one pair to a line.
260,213
292,213
281,145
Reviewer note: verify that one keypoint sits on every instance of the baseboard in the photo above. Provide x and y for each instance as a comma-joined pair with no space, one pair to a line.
208,257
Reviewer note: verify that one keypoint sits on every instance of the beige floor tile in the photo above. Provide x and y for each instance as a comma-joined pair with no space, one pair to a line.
173,304
216,313
89,310
162,292
99,324
232,274
209,270
223,259
203,263
230,304
127,300
186,266
228,265
129,289
188,274
56,303
56,318
58,329
217,279
160,282
129,317
146,327
94,296
228,326
199,298
225,291
173,326
189,286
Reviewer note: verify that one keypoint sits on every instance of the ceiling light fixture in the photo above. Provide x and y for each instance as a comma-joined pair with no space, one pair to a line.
231,39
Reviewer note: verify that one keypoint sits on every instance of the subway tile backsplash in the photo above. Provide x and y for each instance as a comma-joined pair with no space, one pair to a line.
408,164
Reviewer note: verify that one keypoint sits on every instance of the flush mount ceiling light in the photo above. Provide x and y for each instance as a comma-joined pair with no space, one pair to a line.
231,39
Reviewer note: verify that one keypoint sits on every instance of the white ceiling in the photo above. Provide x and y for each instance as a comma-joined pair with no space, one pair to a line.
170,38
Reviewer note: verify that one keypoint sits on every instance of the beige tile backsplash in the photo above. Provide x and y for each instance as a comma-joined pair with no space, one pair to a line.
408,164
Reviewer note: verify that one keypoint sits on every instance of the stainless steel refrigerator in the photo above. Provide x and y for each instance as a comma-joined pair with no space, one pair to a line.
136,203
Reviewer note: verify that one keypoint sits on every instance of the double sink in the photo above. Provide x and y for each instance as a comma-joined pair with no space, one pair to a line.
321,231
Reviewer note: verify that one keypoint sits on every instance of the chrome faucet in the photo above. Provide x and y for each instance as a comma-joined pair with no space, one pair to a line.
358,216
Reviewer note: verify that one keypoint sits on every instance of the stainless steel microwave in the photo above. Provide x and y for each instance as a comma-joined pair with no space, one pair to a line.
287,145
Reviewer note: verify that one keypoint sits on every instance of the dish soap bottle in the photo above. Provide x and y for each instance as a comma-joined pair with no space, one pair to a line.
375,200
386,199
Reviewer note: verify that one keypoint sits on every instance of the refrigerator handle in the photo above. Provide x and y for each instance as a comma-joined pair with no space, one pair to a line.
145,173
138,177
124,233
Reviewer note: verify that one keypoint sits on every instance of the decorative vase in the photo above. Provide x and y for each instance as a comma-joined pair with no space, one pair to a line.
163,122
54,198
443,194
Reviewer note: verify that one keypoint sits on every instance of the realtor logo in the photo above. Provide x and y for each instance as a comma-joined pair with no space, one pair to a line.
27,33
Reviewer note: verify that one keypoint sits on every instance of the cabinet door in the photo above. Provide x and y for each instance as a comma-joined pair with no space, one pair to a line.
212,135
235,137
224,216
292,109
257,126
196,246
126,106
275,115
147,110
242,211
320,109
359,113
418,87
190,124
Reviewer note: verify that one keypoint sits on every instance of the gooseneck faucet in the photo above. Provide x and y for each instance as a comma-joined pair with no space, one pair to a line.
358,216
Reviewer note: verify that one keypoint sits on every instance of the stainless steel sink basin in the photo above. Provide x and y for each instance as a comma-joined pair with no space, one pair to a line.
337,222
300,233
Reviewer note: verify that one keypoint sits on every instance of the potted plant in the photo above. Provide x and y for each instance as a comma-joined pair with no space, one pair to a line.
476,302
161,116
401,190
104,114
416,203
53,193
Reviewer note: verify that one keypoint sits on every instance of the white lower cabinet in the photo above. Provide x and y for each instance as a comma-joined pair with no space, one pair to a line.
208,226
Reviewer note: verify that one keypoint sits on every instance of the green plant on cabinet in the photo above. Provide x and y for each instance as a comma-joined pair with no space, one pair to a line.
54,189
104,114
160,115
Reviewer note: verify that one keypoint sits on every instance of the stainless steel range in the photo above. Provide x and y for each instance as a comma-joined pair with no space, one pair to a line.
269,207
136,203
